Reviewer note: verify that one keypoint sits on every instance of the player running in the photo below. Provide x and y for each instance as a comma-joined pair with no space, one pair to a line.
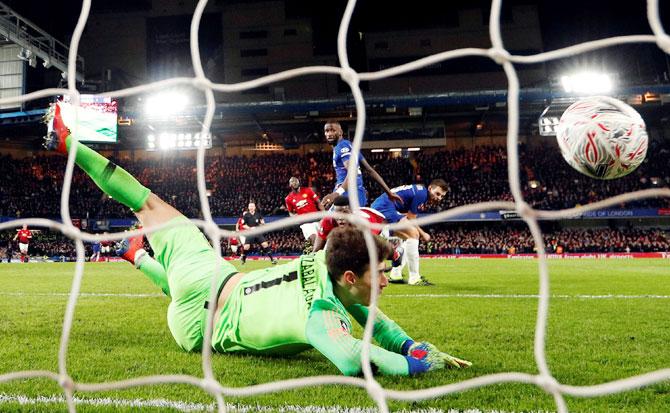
279,310
303,200
341,154
413,196
24,235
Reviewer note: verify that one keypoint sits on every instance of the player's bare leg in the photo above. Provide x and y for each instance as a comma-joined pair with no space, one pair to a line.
155,211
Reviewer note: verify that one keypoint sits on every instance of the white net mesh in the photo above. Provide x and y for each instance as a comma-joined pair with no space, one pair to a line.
544,379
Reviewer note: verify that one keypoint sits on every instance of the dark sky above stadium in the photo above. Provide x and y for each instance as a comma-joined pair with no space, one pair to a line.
564,22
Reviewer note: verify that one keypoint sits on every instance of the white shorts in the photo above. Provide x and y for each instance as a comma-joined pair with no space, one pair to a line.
23,248
309,229
234,248
105,249
242,239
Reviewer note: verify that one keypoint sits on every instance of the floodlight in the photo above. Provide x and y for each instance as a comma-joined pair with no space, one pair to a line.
166,104
395,150
167,140
377,150
587,83
413,149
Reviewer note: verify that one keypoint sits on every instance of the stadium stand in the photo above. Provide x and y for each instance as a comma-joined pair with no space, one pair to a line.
474,175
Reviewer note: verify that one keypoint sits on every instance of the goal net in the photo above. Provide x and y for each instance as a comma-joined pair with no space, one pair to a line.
380,395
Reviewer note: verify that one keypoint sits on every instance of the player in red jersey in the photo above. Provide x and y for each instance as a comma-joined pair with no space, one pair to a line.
24,235
303,200
341,204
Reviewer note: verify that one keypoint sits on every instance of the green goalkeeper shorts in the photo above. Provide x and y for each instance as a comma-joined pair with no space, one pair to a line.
190,263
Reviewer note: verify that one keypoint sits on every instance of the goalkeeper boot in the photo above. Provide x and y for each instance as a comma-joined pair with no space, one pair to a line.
131,249
57,132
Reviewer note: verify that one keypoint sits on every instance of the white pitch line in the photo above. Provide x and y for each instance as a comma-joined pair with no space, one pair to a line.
125,295
533,296
202,407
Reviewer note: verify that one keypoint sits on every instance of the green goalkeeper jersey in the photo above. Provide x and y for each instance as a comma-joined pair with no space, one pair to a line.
290,308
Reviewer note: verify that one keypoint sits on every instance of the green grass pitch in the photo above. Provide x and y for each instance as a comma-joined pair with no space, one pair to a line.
481,310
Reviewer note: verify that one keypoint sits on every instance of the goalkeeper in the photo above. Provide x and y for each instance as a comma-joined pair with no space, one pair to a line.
280,310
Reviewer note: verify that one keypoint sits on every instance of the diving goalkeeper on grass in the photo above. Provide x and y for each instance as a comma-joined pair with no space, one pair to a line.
280,310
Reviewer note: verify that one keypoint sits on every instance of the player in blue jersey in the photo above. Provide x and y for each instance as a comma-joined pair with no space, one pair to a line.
341,155
413,196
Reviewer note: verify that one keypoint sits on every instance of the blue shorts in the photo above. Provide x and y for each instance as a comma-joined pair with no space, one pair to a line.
362,196
388,208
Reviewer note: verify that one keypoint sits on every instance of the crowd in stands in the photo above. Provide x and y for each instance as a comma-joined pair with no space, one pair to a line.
520,241
32,186
444,240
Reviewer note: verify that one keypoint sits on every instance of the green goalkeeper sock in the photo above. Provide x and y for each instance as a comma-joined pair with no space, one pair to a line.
155,272
113,180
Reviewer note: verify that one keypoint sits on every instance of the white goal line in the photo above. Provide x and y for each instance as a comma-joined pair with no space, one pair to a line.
189,407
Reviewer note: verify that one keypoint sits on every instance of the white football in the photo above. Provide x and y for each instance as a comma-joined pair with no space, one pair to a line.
602,137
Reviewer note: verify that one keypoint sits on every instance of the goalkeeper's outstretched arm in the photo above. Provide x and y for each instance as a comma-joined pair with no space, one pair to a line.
329,332
386,332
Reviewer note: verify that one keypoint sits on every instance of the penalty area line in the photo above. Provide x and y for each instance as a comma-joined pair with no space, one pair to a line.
204,407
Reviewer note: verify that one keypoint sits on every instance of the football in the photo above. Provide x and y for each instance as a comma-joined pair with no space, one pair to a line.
602,137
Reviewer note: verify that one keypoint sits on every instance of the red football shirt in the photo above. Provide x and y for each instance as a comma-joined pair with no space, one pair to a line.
302,202
240,224
372,215
24,236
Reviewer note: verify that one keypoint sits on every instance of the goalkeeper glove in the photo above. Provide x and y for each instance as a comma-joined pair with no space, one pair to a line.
423,357
451,361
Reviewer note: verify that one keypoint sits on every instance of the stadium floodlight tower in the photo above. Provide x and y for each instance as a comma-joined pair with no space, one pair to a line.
574,86
36,43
